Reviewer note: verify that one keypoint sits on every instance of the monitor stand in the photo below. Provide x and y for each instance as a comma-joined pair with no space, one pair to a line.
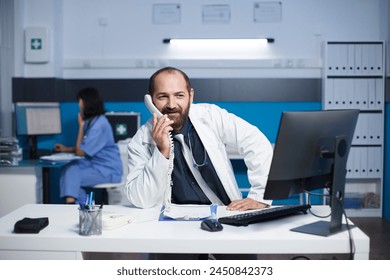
34,153
323,228
32,141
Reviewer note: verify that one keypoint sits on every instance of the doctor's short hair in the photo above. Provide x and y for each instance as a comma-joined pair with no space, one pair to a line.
93,104
168,69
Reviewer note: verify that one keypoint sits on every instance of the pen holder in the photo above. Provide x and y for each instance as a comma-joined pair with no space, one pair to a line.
90,221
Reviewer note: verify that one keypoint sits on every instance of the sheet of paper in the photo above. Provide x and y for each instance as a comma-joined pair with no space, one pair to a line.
187,212
60,157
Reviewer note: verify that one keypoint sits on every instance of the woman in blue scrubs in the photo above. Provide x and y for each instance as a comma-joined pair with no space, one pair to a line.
95,142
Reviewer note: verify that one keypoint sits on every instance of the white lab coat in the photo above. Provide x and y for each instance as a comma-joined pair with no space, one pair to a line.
147,181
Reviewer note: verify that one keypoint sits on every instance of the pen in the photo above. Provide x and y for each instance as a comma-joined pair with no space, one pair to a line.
93,222
90,200
86,201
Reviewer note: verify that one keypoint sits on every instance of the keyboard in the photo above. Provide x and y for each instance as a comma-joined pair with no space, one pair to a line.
267,214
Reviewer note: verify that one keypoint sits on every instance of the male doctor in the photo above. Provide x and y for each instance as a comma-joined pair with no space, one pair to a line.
208,131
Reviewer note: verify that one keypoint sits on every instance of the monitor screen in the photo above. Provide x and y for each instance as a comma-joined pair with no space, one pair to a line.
38,118
311,152
124,124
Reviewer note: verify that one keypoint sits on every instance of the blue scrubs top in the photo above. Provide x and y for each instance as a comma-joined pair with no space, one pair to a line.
100,149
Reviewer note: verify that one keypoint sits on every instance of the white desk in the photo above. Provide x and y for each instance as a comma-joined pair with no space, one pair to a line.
61,239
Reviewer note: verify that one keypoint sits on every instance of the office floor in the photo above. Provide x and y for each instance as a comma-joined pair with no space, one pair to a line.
378,229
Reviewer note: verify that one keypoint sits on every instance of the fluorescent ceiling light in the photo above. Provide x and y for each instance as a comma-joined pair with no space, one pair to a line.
213,41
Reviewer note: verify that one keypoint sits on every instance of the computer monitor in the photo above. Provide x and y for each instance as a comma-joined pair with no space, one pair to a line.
124,124
311,152
37,118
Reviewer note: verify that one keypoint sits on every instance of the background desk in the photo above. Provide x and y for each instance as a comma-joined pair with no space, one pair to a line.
60,240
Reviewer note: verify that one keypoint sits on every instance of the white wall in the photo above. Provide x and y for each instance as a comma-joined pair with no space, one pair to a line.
117,39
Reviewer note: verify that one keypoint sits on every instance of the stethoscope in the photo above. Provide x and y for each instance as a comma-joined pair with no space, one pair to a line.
88,125
197,165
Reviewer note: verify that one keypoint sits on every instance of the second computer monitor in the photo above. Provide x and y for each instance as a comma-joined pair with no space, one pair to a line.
124,124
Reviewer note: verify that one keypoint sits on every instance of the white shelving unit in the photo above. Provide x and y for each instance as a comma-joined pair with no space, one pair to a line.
354,78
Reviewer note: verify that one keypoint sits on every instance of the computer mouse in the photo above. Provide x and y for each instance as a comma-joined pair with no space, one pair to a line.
211,225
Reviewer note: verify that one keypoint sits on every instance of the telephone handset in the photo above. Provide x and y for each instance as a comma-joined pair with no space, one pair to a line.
151,107
149,104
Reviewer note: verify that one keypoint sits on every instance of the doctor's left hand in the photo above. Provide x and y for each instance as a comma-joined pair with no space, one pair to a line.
245,204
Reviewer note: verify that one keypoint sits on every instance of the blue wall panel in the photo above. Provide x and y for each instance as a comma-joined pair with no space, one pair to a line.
264,115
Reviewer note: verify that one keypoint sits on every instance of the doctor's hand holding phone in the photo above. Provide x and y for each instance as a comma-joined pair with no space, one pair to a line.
162,128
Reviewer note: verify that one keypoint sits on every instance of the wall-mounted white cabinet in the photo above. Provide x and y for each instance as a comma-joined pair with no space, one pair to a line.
354,78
